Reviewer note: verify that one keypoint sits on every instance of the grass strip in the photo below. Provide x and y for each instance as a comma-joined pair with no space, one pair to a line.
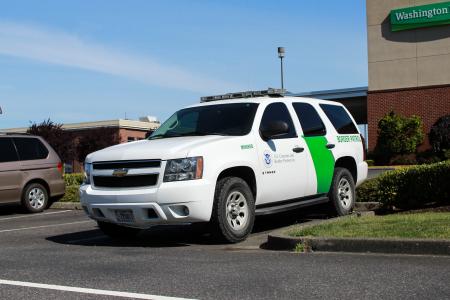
429,225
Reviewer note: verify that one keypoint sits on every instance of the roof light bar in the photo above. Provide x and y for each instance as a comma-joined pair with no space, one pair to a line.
270,92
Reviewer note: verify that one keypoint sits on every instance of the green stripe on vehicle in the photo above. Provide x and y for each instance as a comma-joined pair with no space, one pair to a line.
323,162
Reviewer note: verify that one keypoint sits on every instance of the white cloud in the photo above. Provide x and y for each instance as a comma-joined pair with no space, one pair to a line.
60,48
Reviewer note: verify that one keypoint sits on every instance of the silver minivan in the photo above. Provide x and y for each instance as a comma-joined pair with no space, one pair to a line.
31,172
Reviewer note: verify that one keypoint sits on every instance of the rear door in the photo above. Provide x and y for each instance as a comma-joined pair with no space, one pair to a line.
319,144
10,174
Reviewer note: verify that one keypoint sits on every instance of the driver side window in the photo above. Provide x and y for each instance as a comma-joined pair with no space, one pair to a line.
278,112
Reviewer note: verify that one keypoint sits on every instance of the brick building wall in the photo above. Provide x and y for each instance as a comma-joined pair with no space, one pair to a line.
129,135
429,103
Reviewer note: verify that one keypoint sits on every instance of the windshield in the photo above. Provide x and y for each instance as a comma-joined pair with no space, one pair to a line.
221,119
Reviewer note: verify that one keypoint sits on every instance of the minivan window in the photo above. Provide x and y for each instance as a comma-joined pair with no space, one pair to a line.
339,118
310,120
278,112
30,148
7,151
234,119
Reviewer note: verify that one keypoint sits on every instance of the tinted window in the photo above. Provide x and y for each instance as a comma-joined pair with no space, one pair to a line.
310,120
7,150
220,119
30,148
278,112
339,118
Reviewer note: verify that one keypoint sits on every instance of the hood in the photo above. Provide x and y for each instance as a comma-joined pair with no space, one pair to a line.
167,148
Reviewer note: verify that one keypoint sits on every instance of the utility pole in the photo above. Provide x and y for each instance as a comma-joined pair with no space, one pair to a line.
281,56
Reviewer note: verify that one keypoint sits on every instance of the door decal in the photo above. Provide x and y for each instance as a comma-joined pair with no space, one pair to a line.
323,162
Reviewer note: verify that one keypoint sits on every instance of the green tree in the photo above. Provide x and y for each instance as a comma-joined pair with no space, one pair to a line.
398,135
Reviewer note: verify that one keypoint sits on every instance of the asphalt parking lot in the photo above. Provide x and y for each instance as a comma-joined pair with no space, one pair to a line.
62,254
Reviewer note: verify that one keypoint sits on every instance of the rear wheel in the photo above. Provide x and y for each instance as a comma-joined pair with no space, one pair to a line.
342,192
234,210
35,198
115,231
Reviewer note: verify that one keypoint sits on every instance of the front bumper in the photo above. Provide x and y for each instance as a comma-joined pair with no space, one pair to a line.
170,203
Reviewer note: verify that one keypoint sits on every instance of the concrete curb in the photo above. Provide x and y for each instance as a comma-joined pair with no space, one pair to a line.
397,246
367,206
67,205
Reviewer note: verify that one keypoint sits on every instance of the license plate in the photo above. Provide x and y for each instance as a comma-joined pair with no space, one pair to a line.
125,216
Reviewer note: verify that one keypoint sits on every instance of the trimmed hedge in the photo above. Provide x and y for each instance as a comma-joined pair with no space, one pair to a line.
73,179
411,187
72,194
73,182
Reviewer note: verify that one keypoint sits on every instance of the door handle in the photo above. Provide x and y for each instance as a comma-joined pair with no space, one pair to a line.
330,146
298,149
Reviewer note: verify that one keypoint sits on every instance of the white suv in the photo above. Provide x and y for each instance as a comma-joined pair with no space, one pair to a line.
225,161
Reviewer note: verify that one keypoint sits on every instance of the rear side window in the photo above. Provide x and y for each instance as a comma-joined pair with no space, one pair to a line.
30,148
7,150
278,112
339,118
310,120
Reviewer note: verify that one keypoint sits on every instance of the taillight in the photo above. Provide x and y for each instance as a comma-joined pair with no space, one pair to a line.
363,141
60,167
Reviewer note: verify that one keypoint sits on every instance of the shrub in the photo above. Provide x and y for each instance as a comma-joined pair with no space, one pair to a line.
72,194
440,134
427,157
368,191
398,135
73,179
404,160
447,154
411,187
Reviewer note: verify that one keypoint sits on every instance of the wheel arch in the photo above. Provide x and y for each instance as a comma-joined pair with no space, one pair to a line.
246,173
39,181
348,163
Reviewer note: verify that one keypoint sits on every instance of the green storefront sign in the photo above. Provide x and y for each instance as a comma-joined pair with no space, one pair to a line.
420,16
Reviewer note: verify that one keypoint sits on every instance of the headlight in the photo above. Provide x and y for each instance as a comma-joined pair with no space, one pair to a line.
87,173
184,169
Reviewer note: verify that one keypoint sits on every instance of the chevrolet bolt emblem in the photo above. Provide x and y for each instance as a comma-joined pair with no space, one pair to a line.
120,172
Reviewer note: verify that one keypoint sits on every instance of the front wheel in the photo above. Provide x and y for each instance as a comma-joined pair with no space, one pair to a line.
118,232
234,210
342,192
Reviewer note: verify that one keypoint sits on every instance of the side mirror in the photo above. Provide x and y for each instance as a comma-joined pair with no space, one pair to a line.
274,129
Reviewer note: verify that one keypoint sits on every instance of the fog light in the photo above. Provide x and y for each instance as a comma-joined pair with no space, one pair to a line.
180,210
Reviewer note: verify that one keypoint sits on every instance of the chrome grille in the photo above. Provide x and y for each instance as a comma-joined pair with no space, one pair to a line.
126,164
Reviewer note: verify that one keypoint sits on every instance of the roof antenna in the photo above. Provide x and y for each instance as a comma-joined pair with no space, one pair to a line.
281,56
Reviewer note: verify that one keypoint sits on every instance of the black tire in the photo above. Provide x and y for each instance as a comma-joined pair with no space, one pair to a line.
342,197
221,227
118,232
35,198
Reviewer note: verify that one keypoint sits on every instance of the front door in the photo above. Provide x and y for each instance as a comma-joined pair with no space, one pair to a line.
282,160
10,175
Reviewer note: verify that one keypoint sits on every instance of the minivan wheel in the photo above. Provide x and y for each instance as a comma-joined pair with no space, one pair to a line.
233,213
35,198
342,192
118,232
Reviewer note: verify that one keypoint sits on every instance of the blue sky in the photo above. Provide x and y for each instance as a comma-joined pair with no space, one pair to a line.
75,61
